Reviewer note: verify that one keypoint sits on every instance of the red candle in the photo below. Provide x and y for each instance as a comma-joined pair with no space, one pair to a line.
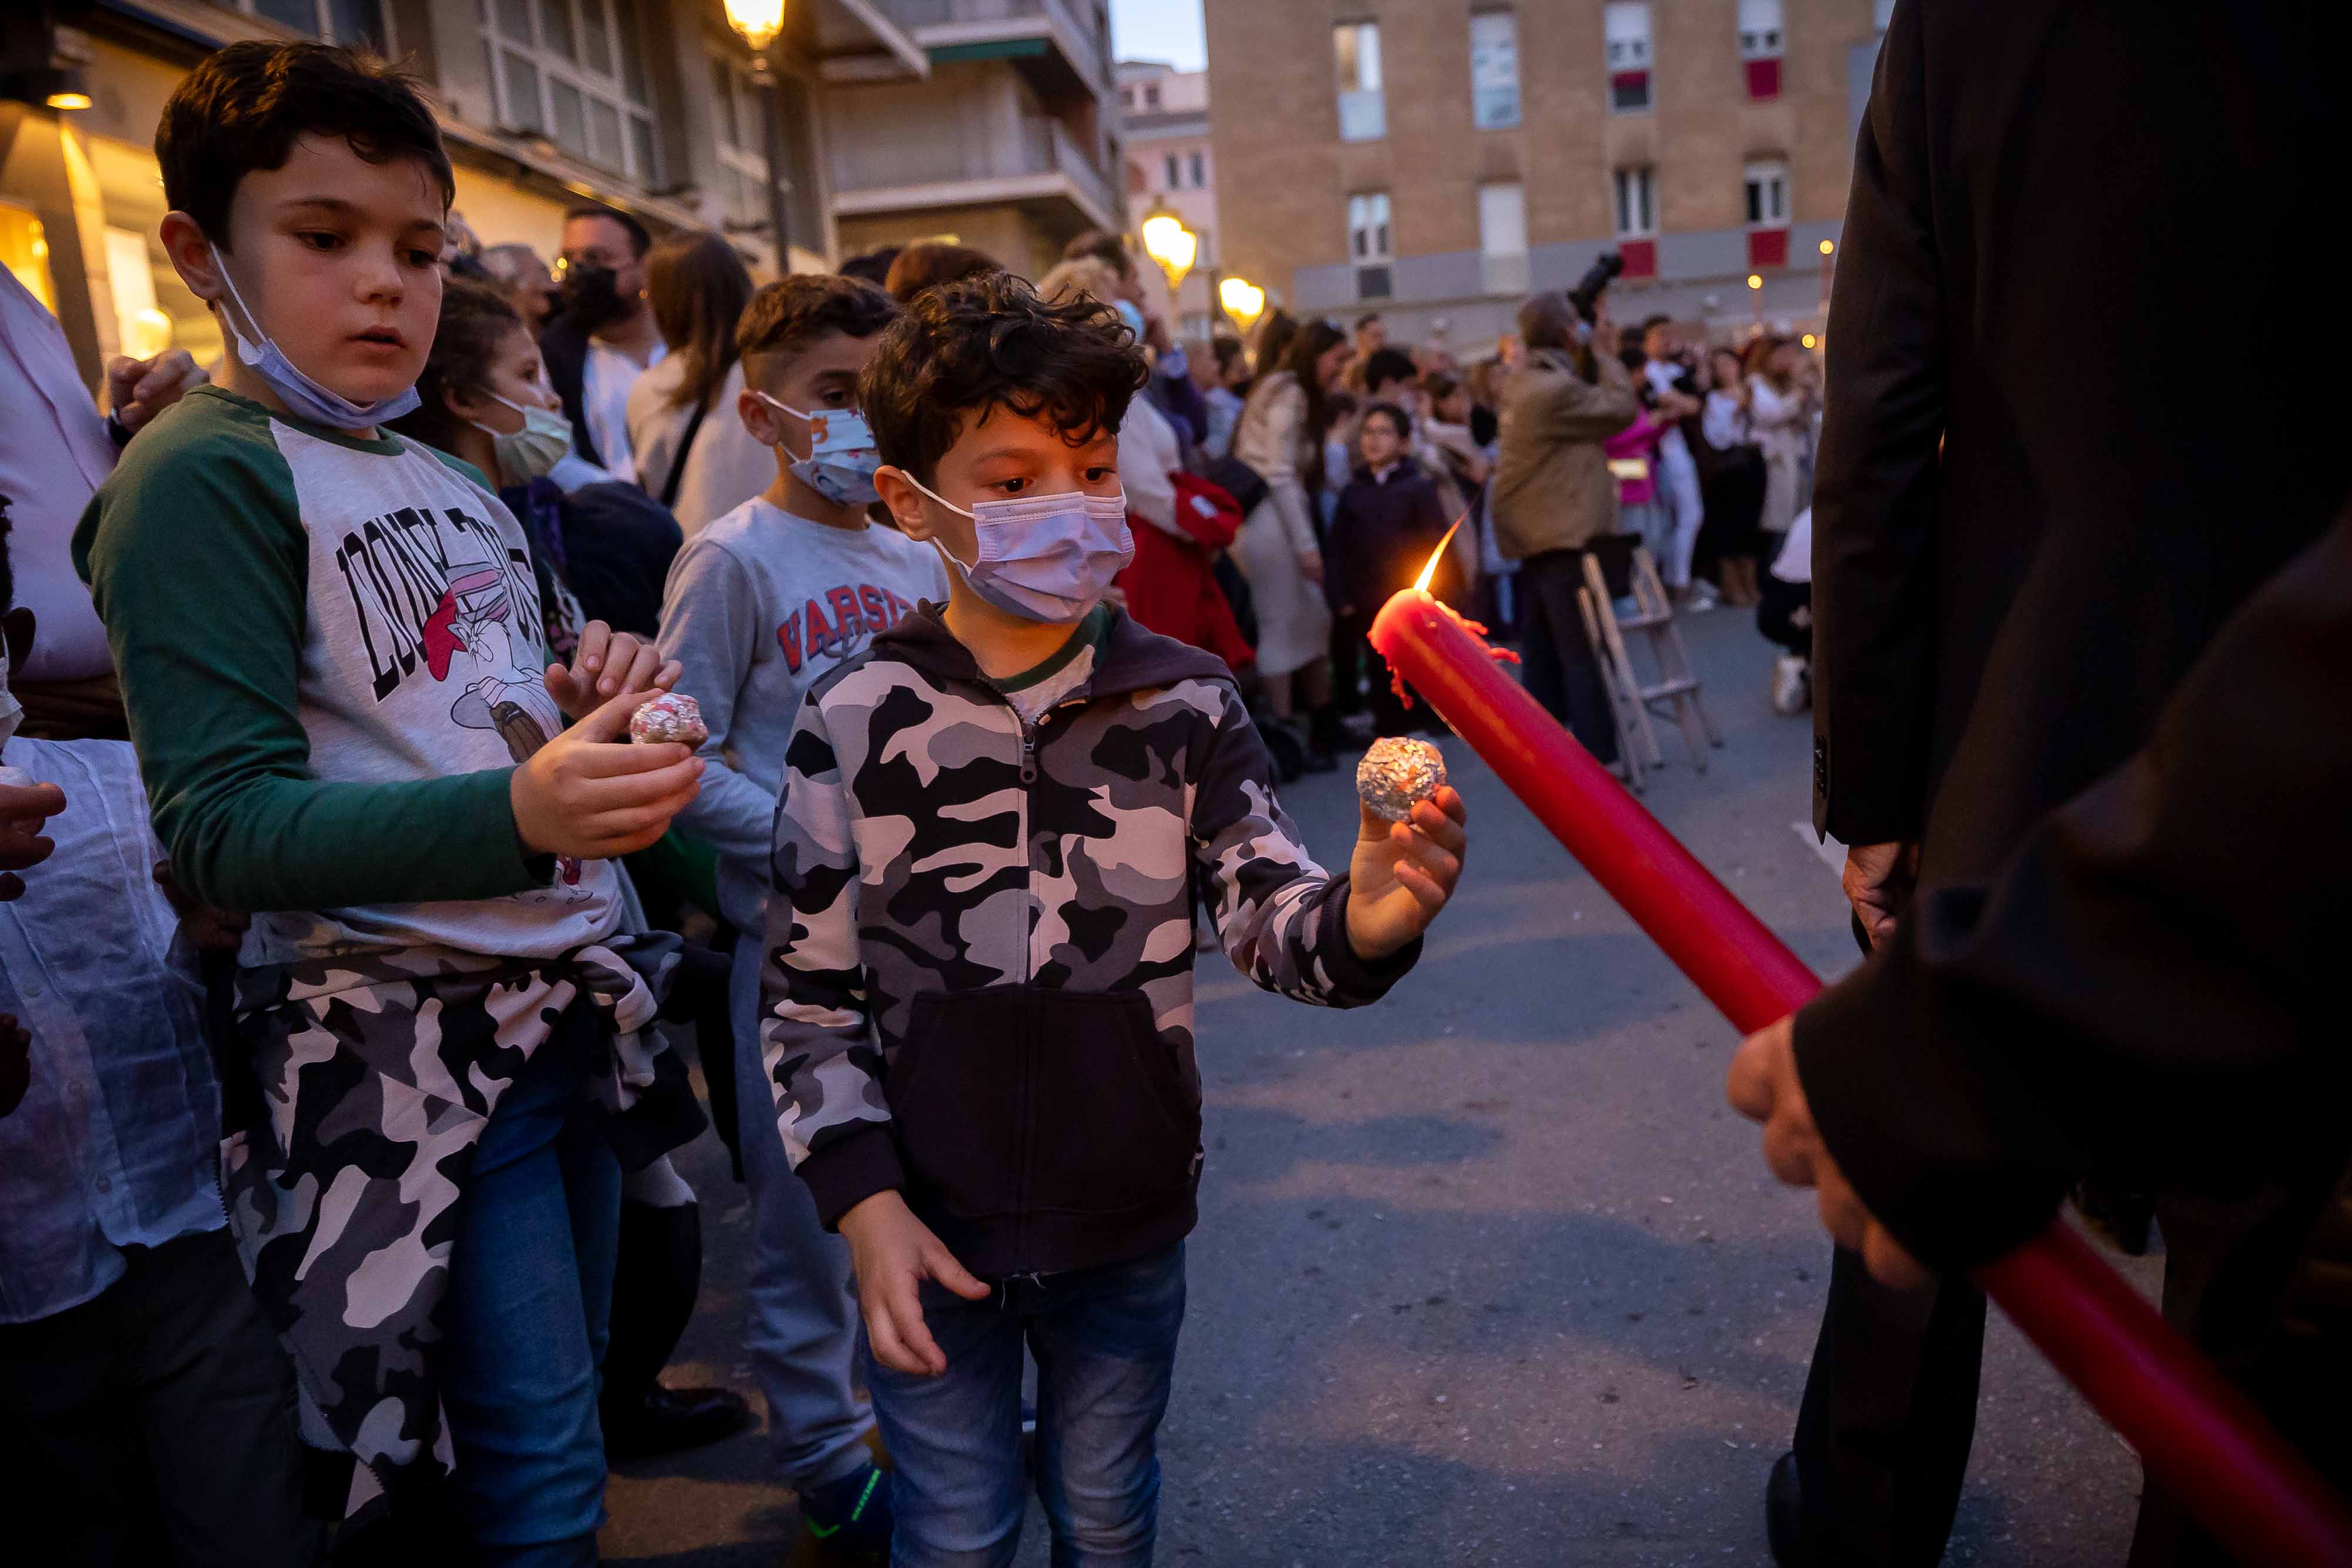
2197,1434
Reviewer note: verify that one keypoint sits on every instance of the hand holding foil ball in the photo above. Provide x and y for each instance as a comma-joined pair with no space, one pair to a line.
1409,851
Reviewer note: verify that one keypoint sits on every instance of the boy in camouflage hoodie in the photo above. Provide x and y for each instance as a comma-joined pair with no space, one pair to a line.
978,988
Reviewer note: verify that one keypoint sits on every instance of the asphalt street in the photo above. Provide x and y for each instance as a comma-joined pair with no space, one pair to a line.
1488,1273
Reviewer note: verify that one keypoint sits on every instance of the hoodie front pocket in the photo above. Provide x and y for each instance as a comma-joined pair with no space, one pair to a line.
1115,1126
955,1089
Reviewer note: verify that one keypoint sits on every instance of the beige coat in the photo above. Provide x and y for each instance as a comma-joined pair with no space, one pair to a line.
1552,490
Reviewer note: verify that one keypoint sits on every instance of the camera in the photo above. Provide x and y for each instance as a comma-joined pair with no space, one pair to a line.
1586,294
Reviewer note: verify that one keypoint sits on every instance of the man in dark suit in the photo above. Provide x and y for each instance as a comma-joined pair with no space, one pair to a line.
2049,473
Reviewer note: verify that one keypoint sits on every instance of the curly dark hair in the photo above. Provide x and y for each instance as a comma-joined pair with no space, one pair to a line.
476,317
244,106
991,342
786,317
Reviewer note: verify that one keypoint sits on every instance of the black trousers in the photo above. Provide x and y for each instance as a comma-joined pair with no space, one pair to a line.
1890,1405
154,1424
1557,657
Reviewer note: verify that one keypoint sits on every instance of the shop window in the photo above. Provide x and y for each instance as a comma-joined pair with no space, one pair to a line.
24,251
1626,29
576,77
1762,28
1369,243
1494,70
355,23
1363,112
152,310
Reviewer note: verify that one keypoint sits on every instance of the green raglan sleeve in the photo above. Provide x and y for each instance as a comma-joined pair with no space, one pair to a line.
196,559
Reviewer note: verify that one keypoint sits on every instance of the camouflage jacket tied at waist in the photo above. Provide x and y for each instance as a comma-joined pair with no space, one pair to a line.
377,1073
978,981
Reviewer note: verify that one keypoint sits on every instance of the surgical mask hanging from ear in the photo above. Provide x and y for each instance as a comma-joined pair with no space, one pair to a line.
304,398
1043,557
841,459
532,452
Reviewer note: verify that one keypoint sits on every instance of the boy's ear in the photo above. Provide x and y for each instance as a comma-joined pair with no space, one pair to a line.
758,418
905,500
191,251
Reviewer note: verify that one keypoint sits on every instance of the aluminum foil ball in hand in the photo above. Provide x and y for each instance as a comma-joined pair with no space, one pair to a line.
672,716
1398,774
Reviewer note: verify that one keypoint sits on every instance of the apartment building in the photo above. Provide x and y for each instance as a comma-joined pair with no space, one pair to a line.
990,120
1171,167
1435,160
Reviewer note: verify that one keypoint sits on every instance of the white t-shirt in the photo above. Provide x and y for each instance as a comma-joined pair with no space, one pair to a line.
725,467
605,377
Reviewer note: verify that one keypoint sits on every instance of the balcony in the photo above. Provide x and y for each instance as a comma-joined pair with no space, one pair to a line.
1057,44
1041,168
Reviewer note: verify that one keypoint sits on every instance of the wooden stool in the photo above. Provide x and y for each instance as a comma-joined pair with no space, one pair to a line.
1677,685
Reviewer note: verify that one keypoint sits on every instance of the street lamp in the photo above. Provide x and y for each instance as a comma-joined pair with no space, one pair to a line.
1829,249
1168,242
759,22
1756,297
1243,301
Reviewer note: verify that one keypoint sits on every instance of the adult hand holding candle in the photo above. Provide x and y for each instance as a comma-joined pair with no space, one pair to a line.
2198,1434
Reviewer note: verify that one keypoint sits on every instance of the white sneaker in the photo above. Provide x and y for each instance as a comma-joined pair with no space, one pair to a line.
1703,598
1793,686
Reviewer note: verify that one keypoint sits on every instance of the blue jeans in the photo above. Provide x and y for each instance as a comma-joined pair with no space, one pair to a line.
530,1291
1104,1341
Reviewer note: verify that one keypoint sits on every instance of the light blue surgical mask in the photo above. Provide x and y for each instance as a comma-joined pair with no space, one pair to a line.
1132,314
303,397
1043,557
842,458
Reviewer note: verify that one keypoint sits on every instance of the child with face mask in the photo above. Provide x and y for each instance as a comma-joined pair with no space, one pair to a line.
762,603
978,970
331,650
599,548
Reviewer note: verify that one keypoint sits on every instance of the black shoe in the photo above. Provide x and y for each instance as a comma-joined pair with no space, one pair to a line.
668,1420
849,1523
1784,1516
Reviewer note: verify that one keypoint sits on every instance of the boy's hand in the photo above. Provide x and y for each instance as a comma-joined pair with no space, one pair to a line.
892,1252
1402,874
606,664
208,930
23,808
139,390
592,796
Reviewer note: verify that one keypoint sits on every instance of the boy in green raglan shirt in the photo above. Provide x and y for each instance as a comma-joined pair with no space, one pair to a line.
329,643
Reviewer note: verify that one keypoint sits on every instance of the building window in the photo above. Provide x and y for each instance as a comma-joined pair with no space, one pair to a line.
1626,26
354,23
1494,70
1150,95
1502,237
739,116
1197,165
1175,170
1363,114
1761,32
575,79
1768,214
1369,243
1637,203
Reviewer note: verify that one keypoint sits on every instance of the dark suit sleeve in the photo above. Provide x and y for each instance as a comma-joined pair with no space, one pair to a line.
2141,988
1875,488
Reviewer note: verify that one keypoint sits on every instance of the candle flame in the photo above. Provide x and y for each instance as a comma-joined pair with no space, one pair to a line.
1429,572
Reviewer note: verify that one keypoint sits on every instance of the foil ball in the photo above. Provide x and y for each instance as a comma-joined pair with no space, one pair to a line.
1398,774
672,716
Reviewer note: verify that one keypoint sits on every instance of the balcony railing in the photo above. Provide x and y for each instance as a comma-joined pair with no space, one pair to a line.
1074,22
1050,148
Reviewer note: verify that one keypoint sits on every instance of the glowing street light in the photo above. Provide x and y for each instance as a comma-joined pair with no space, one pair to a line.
1829,247
1243,301
1175,248
758,22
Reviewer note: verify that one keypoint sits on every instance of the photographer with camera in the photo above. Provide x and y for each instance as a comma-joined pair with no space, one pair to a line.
1553,495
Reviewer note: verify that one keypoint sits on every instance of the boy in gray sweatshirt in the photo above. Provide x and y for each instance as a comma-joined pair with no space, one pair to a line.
759,605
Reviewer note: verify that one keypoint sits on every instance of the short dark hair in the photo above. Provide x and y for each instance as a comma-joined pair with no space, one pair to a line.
791,315
475,319
1366,319
989,342
873,266
1227,350
931,262
1548,320
245,105
640,239
1438,386
1401,420
1102,246
1383,366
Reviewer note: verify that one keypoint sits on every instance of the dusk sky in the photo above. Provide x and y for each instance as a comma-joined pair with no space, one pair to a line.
1160,30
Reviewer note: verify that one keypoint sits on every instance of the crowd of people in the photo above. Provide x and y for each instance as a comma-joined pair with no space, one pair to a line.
345,889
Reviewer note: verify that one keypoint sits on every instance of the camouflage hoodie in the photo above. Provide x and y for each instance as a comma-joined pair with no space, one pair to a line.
979,978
